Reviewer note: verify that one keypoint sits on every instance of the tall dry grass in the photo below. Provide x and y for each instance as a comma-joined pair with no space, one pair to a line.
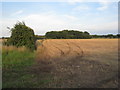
11,48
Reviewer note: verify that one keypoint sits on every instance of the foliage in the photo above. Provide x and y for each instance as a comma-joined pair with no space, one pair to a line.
39,37
106,36
68,34
22,35
118,35
5,37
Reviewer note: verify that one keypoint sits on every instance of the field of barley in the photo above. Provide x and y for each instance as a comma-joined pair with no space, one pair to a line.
63,63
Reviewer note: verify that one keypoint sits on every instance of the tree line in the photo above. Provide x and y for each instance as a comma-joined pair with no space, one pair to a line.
106,36
73,34
68,34
53,35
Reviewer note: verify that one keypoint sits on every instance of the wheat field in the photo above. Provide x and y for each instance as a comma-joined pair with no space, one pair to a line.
81,62
94,49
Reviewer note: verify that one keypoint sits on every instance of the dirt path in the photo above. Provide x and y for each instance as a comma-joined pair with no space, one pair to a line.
74,67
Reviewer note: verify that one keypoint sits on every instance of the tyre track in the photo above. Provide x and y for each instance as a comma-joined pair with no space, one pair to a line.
44,45
62,52
81,53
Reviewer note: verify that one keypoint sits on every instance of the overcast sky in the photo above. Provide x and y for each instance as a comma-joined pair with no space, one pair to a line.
94,17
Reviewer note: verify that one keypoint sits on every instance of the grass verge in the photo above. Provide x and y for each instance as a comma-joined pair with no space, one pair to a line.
16,69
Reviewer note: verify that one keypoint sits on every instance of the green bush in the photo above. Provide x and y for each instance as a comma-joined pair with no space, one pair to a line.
22,35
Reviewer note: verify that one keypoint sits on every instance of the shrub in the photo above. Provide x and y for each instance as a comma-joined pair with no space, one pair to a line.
22,35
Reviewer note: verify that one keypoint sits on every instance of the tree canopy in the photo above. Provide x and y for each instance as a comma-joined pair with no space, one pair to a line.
22,35
68,34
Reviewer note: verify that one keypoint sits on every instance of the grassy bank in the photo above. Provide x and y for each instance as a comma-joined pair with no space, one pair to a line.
16,58
14,62
17,69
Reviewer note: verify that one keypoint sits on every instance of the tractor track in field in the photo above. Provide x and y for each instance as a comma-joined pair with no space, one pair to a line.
80,49
79,52
62,52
